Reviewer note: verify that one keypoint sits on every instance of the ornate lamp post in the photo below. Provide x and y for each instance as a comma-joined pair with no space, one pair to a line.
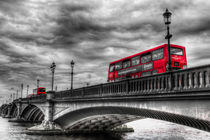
27,90
167,20
21,95
72,67
52,67
17,95
13,96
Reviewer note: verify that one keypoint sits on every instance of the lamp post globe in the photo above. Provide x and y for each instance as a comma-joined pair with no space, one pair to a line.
167,17
72,64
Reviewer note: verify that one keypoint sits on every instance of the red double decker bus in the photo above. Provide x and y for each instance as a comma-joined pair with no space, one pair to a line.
147,63
40,90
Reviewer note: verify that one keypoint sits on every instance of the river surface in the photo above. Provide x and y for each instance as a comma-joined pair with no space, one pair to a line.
146,129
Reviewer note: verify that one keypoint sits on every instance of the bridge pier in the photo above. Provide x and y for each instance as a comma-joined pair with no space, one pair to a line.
48,123
19,109
8,112
18,118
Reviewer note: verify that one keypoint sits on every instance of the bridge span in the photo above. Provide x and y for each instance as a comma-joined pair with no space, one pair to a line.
181,97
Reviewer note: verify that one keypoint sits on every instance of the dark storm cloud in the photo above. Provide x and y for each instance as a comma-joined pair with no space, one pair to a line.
199,26
8,6
76,24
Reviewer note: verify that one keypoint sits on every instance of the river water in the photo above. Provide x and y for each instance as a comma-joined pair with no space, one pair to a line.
146,129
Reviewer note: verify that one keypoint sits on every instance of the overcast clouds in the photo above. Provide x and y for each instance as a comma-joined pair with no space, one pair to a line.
33,33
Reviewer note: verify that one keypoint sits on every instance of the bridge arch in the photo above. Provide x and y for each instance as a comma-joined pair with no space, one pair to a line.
4,109
102,118
32,113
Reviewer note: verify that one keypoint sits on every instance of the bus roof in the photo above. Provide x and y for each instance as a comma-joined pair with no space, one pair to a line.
149,50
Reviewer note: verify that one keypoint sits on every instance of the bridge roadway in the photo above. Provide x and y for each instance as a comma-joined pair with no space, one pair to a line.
181,97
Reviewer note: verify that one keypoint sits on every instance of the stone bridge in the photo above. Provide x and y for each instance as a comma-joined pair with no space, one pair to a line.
181,97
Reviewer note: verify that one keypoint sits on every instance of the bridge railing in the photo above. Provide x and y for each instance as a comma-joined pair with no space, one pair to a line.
196,78
191,79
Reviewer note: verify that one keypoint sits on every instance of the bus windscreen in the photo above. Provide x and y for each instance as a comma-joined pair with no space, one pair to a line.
176,51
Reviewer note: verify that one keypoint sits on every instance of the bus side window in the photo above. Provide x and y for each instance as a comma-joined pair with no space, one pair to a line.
111,69
118,65
146,57
158,54
135,60
126,63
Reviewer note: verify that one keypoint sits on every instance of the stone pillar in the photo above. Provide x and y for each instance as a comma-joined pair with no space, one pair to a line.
158,84
145,85
162,83
175,81
190,81
19,109
131,86
201,80
148,85
49,107
196,80
169,80
185,81
117,88
134,86
207,79
127,86
180,81
83,91
142,85
151,85
155,80
100,90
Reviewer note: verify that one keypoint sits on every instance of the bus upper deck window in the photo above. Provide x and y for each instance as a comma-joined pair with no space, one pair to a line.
146,57
157,54
118,65
126,63
135,60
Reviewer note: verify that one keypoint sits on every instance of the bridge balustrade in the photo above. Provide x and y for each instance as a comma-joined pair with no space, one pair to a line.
196,78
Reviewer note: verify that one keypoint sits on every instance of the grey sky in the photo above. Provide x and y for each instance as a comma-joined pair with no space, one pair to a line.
33,33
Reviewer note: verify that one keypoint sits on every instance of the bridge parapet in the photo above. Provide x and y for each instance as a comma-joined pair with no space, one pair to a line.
187,80
191,79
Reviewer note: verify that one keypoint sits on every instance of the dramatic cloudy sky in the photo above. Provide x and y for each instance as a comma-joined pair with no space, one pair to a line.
34,33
